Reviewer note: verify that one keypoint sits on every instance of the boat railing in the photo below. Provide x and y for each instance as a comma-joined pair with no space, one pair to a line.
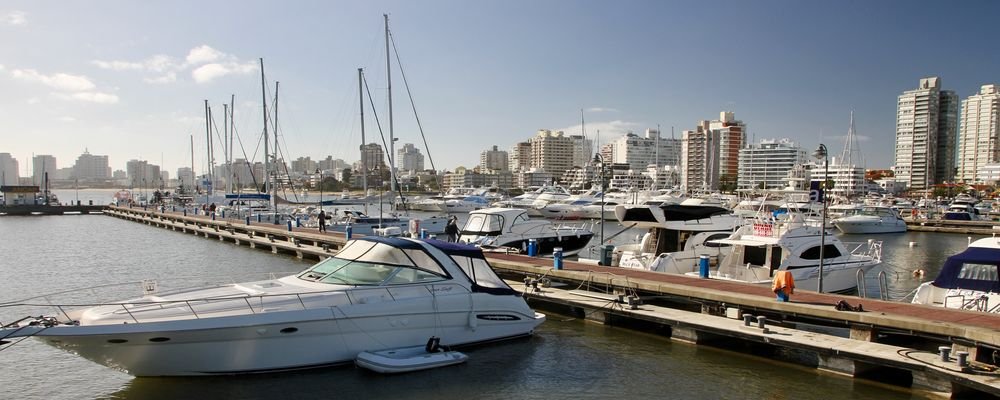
870,249
228,305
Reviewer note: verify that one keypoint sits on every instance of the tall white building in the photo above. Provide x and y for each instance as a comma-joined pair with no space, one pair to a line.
700,159
40,165
494,160
552,152
925,135
765,165
650,149
848,179
409,158
142,174
91,167
8,169
979,133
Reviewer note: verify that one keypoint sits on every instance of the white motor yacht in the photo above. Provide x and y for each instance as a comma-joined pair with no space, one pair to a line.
512,228
969,280
788,243
375,294
872,219
677,236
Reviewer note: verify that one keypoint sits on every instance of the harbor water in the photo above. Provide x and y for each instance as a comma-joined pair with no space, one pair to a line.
567,358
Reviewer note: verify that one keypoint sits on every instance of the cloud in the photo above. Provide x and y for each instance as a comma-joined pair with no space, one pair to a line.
67,119
209,72
203,54
170,77
600,109
205,62
16,18
93,97
608,129
60,81
33,100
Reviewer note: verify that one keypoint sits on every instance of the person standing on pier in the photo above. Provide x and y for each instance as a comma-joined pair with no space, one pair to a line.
452,229
322,221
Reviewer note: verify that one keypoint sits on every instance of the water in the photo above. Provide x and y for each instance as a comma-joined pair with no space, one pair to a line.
567,358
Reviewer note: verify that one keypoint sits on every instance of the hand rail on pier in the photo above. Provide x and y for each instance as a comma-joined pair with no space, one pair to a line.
883,286
862,290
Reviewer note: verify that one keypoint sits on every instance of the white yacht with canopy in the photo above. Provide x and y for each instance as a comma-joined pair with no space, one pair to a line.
377,293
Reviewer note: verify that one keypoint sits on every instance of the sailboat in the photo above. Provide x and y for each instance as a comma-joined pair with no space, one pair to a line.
382,225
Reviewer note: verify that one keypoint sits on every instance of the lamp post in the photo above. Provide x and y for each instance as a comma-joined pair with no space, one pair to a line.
821,153
320,173
599,161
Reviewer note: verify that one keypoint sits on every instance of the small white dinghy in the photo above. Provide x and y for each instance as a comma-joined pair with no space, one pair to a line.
408,359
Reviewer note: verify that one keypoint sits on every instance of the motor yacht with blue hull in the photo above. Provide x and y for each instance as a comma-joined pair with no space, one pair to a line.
512,228
969,280
375,294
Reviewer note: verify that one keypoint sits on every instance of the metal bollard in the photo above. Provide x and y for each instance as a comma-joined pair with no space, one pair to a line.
185,212
423,234
258,218
248,220
298,222
963,359
761,322
747,319
557,258
945,352
348,231
532,247
703,266
223,214
289,225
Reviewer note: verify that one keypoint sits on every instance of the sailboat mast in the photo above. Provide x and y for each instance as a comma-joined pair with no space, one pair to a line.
232,126
263,103
208,141
225,141
392,139
364,157
193,184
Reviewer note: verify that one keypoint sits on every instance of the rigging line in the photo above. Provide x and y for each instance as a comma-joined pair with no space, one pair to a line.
413,106
246,158
382,134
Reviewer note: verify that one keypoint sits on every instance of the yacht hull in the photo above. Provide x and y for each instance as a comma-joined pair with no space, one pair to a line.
868,227
283,341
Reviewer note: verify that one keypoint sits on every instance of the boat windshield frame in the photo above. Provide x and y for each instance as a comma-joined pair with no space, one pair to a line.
366,263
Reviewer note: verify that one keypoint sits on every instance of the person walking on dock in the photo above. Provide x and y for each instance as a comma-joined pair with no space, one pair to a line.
322,221
452,229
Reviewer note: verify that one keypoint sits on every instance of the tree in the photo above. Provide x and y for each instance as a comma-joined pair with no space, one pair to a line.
727,183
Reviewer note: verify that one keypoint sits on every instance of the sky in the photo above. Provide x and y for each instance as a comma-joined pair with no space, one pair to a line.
129,79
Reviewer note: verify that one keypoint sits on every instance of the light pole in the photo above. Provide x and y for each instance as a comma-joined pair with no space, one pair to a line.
821,153
320,173
599,161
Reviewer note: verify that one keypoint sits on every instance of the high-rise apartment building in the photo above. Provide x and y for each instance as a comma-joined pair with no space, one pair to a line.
650,149
925,135
979,137
765,165
700,159
409,158
494,160
732,138
40,165
142,174
91,167
552,152
520,157
8,169
373,157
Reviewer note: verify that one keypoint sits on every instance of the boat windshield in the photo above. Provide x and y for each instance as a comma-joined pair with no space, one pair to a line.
372,263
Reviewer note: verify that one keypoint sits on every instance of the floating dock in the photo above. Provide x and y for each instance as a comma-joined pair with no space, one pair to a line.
890,342
952,226
50,210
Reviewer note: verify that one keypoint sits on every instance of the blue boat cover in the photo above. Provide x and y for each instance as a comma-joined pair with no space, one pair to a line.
456,249
248,196
949,277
